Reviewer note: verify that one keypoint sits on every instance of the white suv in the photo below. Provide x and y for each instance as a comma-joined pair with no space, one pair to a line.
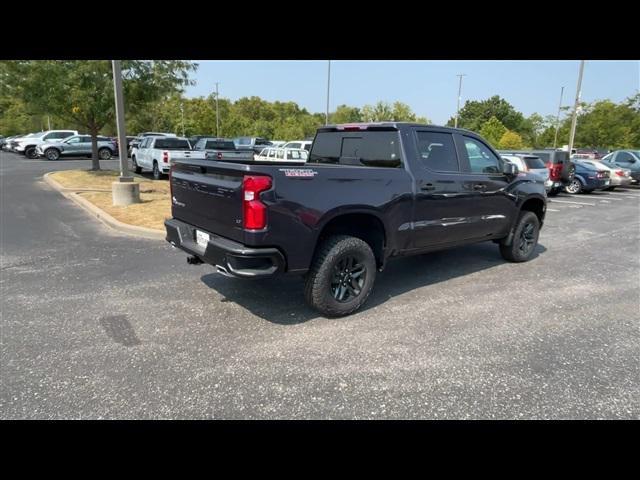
28,144
305,144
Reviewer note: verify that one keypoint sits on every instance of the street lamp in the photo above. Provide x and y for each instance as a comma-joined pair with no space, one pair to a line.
575,108
459,98
217,113
125,191
555,140
326,116
182,115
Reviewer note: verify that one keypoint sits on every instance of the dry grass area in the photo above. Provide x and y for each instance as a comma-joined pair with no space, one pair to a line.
151,212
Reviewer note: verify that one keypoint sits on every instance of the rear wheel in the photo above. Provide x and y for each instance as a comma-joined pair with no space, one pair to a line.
104,154
157,175
341,276
574,186
525,239
52,154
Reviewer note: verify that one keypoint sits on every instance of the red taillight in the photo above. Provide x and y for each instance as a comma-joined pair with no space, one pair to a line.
555,171
620,173
255,212
165,157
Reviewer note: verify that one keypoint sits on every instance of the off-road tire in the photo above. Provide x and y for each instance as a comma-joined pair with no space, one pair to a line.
514,251
318,283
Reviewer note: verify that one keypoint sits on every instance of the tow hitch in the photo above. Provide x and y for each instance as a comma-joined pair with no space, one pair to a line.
193,260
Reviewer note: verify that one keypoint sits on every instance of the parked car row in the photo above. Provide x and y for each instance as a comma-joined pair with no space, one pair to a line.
53,144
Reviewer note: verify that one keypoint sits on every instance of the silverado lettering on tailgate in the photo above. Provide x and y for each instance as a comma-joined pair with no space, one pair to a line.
298,172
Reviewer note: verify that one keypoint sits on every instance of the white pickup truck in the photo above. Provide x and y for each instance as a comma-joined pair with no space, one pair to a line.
156,154
221,150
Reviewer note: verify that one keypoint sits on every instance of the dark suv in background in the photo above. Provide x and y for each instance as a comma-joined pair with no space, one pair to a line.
561,168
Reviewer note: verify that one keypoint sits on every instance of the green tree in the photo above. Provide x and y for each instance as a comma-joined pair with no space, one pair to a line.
384,112
80,92
493,130
474,114
345,114
510,140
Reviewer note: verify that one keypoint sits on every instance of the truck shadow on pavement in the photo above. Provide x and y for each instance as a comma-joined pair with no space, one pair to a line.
281,299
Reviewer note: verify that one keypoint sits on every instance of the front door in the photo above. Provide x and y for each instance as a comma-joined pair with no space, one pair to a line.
450,203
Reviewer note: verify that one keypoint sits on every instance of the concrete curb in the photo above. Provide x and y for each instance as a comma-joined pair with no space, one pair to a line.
104,217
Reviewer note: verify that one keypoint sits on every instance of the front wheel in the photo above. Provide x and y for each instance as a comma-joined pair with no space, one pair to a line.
136,167
341,276
525,239
574,186
31,152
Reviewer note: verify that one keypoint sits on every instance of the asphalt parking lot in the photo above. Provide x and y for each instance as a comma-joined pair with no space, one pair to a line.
97,324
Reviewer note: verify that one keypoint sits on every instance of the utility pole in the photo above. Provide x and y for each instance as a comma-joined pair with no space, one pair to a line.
459,98
125,191
49,122
555,140
326,116
575,108
217,114
182,115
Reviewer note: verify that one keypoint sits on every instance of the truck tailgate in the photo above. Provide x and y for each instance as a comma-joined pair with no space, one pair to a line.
208,195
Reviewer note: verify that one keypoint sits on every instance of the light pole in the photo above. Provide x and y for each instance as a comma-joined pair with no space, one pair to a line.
575,108
326,115
555,140
125,190
182,115
49,122
217,113
459,97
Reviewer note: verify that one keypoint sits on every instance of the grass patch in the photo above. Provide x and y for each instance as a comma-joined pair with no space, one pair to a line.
102,179
151,212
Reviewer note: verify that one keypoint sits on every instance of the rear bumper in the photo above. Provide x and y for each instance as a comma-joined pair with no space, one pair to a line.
229,257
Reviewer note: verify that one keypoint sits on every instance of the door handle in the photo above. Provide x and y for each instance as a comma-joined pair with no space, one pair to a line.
479,186
428,186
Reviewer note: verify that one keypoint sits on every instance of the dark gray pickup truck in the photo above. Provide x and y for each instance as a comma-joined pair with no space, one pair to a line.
368,193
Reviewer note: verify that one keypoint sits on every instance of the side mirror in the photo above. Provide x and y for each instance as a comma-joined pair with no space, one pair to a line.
510,169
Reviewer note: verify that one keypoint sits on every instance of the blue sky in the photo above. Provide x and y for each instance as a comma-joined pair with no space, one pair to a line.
429,87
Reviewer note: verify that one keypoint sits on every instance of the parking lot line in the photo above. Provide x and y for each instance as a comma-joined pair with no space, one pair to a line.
573,203
552,210
635,195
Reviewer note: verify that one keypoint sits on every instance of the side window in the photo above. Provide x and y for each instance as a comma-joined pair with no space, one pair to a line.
294,145
74,140
437,151
481,159
271,153
87,139
623,157
280,154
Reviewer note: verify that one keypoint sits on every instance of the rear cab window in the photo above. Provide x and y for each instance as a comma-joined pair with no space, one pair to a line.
534,163
368,148
172,144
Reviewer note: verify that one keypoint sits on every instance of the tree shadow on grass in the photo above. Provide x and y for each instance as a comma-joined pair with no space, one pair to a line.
281,299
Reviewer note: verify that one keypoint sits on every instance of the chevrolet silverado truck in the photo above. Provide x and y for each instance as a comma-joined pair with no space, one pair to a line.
368,193
158,153
220,149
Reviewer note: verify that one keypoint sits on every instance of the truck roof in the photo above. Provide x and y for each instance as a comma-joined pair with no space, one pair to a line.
388,124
